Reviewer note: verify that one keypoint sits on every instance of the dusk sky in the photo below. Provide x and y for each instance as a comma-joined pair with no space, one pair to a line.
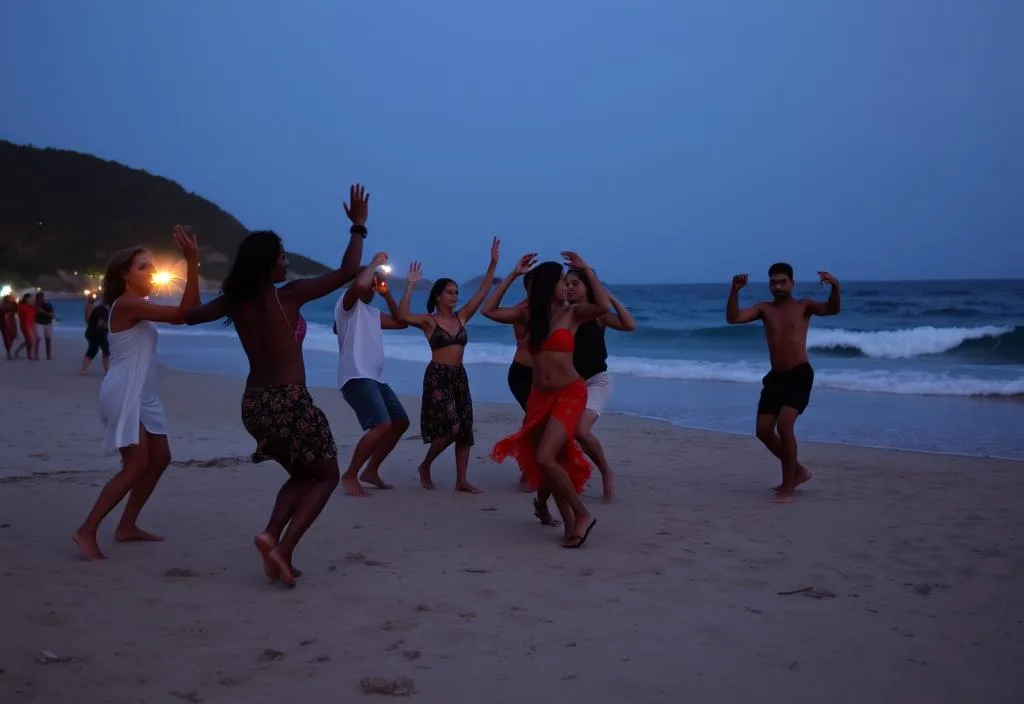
666,141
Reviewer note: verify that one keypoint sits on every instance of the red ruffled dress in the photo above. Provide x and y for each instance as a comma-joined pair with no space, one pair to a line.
565,404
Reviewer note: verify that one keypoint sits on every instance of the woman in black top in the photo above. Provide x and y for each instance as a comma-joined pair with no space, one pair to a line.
96,332
591,361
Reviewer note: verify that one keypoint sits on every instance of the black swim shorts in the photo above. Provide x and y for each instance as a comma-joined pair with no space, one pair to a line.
790,388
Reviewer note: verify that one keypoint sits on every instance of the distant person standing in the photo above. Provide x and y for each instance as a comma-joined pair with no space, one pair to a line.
44,325
9,322
96,333
27,323
359,327
786,388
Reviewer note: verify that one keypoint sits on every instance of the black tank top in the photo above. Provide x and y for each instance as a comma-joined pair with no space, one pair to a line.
590,356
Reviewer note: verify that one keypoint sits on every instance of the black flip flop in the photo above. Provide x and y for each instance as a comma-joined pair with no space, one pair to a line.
577,541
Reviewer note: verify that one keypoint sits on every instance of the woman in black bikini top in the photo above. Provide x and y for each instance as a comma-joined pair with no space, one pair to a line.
446,411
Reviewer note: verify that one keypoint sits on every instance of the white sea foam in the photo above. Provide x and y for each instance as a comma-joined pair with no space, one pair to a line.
901,344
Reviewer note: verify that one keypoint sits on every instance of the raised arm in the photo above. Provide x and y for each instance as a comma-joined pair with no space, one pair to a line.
140,309
473,304
416,320
363,281
621,319
585,312
304,290
389,320
515,314
734,315
832,305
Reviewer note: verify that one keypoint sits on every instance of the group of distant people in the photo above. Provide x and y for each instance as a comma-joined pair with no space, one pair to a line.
33,317
559,376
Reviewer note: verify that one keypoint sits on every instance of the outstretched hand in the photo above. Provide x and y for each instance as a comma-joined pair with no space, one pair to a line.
827,278
495,251
358,204
185,238
415,273
525,263
573,260
739,281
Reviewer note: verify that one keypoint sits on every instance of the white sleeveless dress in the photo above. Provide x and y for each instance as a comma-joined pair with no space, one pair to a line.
128,394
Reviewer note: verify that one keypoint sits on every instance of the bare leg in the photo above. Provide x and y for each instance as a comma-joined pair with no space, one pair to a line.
767,435
575,515
438,446
314,495
159,456
363,451
85,366
787,434
462,468
592,447
285,505
49,348
106,363
371,475
134,464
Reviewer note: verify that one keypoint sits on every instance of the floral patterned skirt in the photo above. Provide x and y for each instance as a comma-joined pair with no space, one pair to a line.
287,426
447,407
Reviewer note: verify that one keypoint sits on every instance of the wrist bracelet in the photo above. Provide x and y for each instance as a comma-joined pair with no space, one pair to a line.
357,230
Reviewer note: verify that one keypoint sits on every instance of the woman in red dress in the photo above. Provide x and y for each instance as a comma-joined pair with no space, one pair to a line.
545,445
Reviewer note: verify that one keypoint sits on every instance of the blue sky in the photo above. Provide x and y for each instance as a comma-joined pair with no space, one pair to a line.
664,140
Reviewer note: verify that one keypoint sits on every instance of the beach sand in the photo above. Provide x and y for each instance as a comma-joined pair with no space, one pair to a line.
915,564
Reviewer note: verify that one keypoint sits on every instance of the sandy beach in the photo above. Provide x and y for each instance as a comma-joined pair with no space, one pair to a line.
895,577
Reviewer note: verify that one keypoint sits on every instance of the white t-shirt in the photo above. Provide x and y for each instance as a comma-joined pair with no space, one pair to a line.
360,342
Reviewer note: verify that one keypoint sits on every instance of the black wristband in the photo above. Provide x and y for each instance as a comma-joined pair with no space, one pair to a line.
357,230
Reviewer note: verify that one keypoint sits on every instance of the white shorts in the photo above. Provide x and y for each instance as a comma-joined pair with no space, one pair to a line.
44,331
599,390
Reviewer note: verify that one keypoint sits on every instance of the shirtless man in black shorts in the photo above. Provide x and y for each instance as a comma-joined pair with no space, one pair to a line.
786,389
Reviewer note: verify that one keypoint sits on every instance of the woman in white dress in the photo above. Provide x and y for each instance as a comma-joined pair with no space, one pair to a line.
130,408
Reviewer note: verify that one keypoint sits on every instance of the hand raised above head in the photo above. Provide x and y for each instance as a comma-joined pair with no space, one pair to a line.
525,263
573,260
357,207
739,281
415,272
827,278
185,239
495,251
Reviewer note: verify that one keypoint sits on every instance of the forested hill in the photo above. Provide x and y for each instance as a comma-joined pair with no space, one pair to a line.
63,212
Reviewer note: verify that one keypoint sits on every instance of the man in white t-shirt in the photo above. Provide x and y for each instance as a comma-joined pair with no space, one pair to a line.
359,326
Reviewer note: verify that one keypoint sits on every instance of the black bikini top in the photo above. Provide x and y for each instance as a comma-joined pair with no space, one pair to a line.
440,337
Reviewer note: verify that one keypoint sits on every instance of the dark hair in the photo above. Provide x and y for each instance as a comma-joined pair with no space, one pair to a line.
584,276
527,277
253,266
435,292
538,301
113,279
781,268
24,299
40,296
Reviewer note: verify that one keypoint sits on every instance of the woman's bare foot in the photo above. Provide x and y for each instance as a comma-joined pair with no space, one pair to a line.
425,481
802,475
131,535
608,485
296,572
283,565
265,543
468,488
784,497
87,542
352,487
373,479
543,514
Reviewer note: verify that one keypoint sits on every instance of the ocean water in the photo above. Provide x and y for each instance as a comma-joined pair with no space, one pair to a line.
935,366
